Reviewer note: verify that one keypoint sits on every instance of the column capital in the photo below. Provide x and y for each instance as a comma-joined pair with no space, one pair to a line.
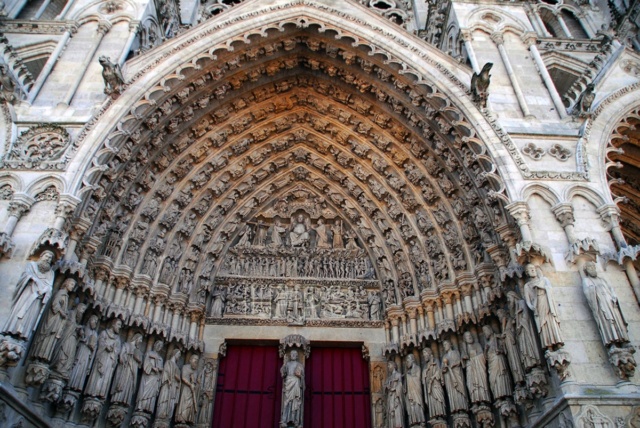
520,212
529,38
564,213
497,38
466,35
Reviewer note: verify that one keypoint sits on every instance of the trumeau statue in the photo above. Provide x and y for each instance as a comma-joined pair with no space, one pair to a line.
498,370
105,361
151,378
476,367
413,393
604,306
124,383
188,404
537,293
32,294
433,384
393,392
84,356
170,387
454,379
292,373
52,327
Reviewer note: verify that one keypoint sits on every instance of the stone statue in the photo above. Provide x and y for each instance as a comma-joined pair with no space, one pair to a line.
125,380
585,101
281,302
524,331
604,306
375,305
112,75
84,356
480,85
498,370
52,327
292,372
322,237
413,393
32,294
72,333
276,234
170,387
299,233
208,386
337,235
393,391
245,237
105,362
151,378
8,86
454,379
260,238
433,385
476,367
511,346
537,293
188,405
219,296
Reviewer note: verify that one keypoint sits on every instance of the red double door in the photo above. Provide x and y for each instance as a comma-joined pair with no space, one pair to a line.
249,389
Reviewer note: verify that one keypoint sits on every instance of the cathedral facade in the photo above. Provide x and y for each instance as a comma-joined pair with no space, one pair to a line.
319,213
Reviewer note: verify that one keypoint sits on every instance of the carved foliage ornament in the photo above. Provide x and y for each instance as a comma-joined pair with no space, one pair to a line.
41,147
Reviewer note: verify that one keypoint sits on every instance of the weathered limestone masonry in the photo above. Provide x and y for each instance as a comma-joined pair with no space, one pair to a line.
450,185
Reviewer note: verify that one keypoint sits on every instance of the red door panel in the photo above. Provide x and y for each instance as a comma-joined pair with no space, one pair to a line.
337,389
249,388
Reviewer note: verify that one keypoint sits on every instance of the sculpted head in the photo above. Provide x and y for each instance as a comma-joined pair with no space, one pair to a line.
300,218
410,360
80,310
391,366
487,330
69,284
446,345
93,322
136,339
293,356
531,271
193,361
590,269
45,260
468,337
158,346
116,324
176,354
427,354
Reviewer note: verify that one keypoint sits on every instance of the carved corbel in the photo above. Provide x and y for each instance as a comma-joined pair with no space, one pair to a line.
560,361
577,247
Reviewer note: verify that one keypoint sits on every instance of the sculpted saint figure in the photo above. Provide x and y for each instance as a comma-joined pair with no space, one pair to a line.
537,293
477,382
52,327
322,238
604,306
433,384
151,378
276,234
170,387
84,356
524,331
453,378
124,384
219,299
511,346
498,369
32,293
105,362
292,391
375,305
299,234
72,333
260,238
413,391
393,391
337,235
206,393
188,405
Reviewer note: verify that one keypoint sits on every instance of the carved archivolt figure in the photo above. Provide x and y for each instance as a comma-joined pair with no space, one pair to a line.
413,391
604,306
433,384
188,405
151,378
498,369
32,294
124,384
72,334
105,362
170,387
52,327
393,391
524,331
537,293
84,356
453,378
476,366
292,372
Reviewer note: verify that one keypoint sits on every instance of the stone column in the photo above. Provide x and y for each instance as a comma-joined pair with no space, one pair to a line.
563,24
19,205
564,214
498,39
530,40
133,30
520,212
103,28
468,38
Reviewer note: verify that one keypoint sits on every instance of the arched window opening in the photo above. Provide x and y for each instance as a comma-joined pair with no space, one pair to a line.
551,23
574,25
42,9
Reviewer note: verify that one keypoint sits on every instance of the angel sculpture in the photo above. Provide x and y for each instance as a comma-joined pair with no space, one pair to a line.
112,75
480,85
